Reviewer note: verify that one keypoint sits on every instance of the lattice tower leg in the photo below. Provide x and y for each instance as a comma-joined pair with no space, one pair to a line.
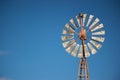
83,70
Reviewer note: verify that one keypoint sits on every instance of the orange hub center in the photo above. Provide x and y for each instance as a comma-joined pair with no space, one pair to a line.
82,34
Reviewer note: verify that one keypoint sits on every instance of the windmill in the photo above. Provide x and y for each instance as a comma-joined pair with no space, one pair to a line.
81,37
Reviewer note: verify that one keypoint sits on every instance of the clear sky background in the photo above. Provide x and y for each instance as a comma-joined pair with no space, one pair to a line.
30,39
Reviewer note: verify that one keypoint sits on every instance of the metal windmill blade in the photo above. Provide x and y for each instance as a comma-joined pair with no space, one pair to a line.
78,20
87,54
64,38
89,20
69,49
68,43
97,27
80,53
102,32
74,52
96,44
95,22
69,27
73,22
99,39
67,32
84,19
92,50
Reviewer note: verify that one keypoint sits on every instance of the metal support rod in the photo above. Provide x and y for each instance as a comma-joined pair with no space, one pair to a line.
83,48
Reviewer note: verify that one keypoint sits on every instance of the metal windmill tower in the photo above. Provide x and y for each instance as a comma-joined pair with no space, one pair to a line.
82,36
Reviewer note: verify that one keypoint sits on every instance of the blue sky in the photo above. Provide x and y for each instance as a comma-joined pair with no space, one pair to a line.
30,39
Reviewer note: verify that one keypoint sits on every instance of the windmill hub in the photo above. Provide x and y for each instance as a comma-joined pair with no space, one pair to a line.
82,34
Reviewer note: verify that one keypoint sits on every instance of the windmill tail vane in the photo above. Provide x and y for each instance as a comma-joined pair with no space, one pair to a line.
90,35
